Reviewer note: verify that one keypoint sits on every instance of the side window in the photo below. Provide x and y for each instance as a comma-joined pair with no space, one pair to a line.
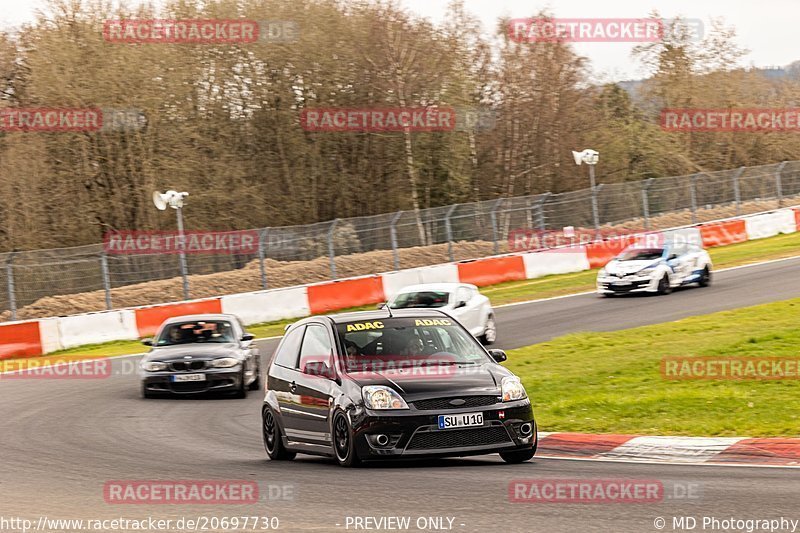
317,346
290,348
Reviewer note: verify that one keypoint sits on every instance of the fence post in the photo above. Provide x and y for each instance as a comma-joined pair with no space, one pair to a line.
449,230
12,300
393,236
262,238
331,251
778,184
693,197
493,217
737,193
106,279
646,202
540,211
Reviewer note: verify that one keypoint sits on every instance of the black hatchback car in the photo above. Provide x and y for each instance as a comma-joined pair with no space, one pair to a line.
392,384
194,354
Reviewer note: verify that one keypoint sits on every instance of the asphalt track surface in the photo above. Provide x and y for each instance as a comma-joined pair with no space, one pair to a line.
61,440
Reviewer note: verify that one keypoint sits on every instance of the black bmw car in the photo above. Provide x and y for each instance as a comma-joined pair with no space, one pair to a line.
201,353
392,384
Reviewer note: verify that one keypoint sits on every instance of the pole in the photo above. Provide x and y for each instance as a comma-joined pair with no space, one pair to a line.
449,230
331,251
737,193
393,237
106,279
646,202
493,217
12,301
182,254
262,237
778,184
542,223
693,197
595,214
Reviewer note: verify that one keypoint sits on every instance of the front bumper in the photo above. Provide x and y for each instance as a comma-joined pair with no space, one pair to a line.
217,380
626,284
416,433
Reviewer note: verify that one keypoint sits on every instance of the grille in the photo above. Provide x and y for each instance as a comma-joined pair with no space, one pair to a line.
444,403
458,438
182,366
626,288
190,386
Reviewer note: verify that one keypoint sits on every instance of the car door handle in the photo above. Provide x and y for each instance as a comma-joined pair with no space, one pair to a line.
293,386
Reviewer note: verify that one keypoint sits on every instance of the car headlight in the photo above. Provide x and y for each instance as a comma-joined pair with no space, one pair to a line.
512,389
224,362
647,270
601,272
381,397
154,366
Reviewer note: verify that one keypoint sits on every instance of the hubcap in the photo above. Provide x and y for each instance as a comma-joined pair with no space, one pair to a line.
269,431
342,438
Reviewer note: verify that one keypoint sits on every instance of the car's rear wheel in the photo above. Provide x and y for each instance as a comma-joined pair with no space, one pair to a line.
273,443
490,331
705,278
343,443
663,285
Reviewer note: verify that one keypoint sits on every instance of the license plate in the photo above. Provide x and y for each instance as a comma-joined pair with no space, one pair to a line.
460,421
189,377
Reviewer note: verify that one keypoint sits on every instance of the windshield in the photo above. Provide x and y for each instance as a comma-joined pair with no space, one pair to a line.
420,299
209,331
407,342
641,254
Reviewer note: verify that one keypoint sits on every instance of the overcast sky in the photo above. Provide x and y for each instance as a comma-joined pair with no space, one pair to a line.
768,28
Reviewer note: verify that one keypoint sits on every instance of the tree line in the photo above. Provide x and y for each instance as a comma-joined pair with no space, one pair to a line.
223,120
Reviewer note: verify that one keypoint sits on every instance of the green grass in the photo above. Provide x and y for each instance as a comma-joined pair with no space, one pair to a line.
520,291
612,382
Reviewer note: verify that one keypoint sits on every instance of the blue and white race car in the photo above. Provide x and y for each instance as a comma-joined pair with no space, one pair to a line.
657,269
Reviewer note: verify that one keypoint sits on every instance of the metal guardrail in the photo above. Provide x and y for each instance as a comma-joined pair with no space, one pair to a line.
30,276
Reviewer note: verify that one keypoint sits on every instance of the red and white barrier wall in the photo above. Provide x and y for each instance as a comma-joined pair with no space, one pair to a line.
37,337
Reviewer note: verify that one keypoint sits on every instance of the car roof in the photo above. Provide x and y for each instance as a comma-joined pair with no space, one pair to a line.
442,287
191,318
382,314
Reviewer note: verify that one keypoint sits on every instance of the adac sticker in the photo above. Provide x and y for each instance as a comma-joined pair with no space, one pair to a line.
363,326
433,322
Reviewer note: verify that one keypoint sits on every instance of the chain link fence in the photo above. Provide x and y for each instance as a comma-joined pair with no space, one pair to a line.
37,281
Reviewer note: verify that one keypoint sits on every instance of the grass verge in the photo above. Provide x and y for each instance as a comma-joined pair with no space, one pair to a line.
612,382
516,291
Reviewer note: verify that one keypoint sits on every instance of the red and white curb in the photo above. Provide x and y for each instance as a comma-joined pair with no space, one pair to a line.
680,450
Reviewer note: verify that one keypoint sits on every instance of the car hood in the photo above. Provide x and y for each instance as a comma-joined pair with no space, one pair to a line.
629,267
442,380
196,351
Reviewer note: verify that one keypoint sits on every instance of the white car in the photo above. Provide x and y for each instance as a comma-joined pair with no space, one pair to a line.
462,301
656,269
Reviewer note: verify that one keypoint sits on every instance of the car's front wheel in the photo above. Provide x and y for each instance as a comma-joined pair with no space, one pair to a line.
241,390
705,278
519,456
256,384
490,331
344,446
273,443
663,285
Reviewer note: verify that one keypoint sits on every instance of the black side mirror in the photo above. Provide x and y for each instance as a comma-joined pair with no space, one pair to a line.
319,368
381,305
147,342
460,304
248,337
498,355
